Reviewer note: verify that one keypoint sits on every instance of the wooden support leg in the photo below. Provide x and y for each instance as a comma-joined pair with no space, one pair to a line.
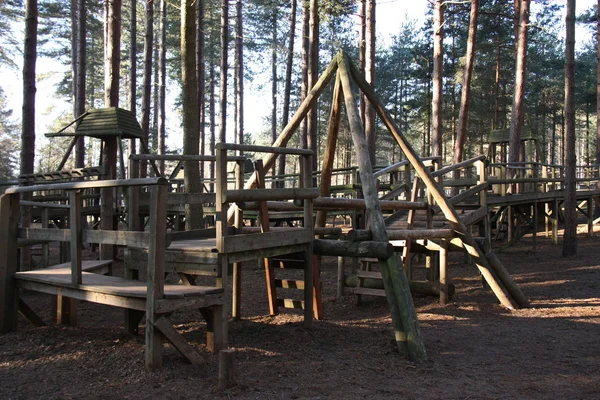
9,264
590,215
317,299
29,314
214,328
341,277
555,214
226,368
534,214
308,287
271,289
66,310
237,291
443,272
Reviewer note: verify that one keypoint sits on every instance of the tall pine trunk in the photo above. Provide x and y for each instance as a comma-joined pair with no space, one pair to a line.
463,116
570,236
200,74
369,121
436,99
598,87
191,179
288,84
147,83
517,112
305,67
239,72
223,73
274,17
132,67
313,71
162,82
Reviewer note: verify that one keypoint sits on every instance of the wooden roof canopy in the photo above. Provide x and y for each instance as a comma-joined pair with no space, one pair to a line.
503,135
102,123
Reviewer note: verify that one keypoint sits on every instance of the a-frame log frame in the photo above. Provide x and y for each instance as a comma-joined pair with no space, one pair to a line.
449,212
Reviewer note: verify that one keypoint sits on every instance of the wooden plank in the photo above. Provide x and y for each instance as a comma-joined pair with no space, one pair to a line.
237,195
75,236
262,149
165,326
250,242
373,249
79,185
289,284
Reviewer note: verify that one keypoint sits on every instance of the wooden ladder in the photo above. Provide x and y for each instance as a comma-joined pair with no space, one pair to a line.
288,261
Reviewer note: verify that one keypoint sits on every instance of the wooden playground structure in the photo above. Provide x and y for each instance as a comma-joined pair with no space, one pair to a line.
414,206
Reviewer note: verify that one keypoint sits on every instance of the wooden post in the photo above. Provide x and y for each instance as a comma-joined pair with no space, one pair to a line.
443,272
226,368
480,261
237,267
590,216
309,267
404,317
156,272
222,231
9,265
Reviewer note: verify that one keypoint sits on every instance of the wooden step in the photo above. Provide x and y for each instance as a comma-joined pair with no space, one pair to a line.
291,303
370,292
289,283
369,274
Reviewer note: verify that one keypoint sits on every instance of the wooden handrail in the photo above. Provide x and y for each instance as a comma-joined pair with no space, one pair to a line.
111,183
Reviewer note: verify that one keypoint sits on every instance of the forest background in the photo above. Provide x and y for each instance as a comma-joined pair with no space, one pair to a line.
403,65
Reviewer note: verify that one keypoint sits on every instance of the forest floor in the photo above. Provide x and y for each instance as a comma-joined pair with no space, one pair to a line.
476,348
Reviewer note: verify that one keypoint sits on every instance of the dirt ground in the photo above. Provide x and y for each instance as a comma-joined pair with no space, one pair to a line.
476,349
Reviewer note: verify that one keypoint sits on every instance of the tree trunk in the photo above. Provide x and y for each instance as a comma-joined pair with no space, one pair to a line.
463,116
200,74
305,61
570,237
369,121
147,84
313,76
223,74
132,67
191,179
80,77
436,99
162,83
362,48
239,62
112,63
29,88
274,17
517,113
288,84
598,88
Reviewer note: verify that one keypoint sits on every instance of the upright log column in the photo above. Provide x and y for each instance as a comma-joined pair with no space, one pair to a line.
404,316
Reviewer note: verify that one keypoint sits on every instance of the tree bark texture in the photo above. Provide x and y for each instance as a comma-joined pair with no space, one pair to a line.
80,78
288,83
518,108
369,121
162,82
305,61
29,88
436,99
200,74
313,76
274,17
147,83
463,116
112,53
223,74
570,237
191,146
239,62
598,87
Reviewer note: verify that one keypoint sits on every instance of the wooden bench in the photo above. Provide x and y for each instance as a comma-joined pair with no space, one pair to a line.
151,297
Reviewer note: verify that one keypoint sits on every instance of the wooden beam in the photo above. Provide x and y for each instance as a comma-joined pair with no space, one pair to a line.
165,326
371,249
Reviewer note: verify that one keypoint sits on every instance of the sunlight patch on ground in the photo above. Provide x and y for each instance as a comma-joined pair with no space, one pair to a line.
440,317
